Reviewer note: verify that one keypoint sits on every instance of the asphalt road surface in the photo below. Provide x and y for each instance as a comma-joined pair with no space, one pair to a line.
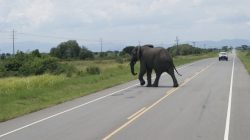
211,103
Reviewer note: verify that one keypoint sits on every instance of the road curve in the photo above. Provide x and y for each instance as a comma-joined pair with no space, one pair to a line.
200,108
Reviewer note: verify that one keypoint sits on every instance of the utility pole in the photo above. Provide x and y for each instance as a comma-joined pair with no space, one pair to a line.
101,44
13,41
194,43
139,42
177,44
177,41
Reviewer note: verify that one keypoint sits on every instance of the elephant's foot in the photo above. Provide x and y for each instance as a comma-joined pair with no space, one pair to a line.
155,85
176,85
142,83
149,85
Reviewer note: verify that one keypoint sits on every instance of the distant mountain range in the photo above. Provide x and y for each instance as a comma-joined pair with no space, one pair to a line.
26,46
45,46
220,43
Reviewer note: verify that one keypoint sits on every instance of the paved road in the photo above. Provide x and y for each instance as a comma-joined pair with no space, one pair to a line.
212,103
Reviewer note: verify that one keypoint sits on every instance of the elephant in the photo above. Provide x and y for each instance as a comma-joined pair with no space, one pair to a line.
153,58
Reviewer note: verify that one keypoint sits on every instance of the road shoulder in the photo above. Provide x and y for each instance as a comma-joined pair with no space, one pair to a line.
240,113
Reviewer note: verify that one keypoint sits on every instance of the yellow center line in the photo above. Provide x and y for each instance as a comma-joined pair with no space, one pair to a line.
144,110
132,116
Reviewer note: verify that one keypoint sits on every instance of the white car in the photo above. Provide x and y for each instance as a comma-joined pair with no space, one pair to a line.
223,56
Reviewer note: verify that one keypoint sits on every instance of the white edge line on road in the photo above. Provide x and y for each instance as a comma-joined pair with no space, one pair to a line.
68,110
76,107
226,134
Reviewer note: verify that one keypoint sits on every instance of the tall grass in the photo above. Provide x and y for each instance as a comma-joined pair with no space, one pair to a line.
24,95
15,84
179,60
245,59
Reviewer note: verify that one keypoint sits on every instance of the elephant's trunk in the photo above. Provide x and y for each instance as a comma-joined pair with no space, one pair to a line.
132,65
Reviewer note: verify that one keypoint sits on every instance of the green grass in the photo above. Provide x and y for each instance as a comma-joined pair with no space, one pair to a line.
180,60
22,95
245,59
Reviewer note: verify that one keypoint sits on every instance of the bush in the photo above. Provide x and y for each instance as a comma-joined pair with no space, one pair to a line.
33,64
80,73
93,70
39,66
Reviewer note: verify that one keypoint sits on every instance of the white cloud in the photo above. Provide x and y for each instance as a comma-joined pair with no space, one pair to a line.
206,20
26,13
164,6
248,23
118,19
197,2
39,11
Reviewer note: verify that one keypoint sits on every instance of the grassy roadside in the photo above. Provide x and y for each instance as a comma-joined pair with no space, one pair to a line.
19,96
245,59
180,60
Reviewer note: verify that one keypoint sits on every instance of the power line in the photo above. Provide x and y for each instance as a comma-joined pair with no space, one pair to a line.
4,31
43,36
57,37
71,38
92,41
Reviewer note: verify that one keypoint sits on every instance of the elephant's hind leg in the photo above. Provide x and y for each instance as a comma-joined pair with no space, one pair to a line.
171,73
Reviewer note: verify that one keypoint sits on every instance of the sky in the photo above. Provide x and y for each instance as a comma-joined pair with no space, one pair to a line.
126,22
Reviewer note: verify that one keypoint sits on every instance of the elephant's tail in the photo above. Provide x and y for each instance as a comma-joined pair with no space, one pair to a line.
176,69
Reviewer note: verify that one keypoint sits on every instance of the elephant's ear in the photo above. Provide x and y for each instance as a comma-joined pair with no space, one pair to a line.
139,53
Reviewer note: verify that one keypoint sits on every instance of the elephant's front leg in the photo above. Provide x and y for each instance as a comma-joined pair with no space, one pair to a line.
149,73
141,74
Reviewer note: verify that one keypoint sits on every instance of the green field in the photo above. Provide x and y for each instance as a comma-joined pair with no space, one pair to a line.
245,59
22,95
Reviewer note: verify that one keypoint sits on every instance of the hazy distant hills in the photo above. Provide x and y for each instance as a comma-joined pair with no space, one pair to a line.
26,46
220,43
45,46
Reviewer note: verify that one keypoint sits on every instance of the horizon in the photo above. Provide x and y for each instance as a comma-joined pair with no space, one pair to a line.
44,47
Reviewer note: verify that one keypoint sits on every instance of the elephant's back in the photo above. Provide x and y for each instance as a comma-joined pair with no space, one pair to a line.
157,57
163,54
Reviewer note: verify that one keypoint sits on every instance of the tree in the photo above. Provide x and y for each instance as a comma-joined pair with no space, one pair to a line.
3,56
55,52
36,53
128,49
103,54
185,49
85,53
245,47
66,50
225,48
